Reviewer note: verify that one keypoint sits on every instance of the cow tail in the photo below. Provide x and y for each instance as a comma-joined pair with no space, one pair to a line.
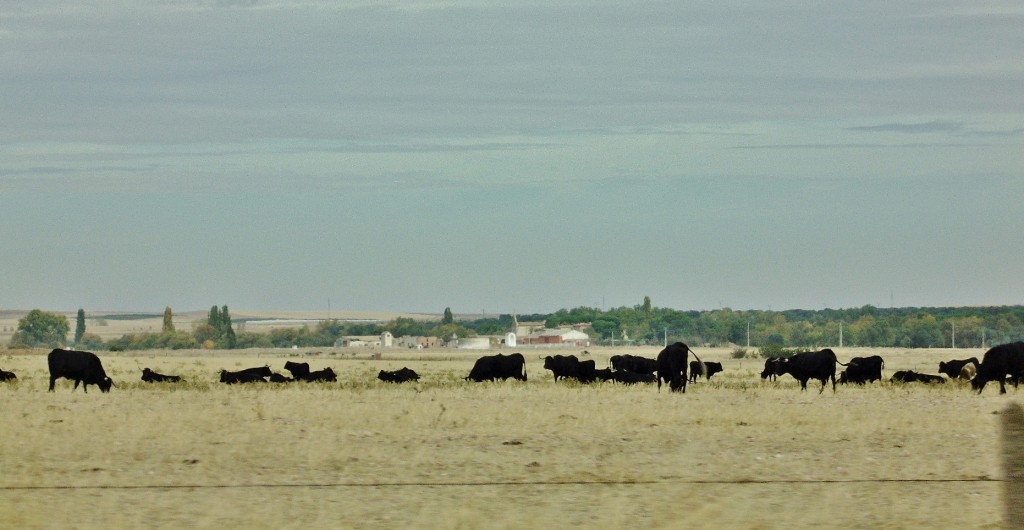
837,360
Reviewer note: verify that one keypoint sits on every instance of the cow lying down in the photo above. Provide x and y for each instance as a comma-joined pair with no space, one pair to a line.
150,376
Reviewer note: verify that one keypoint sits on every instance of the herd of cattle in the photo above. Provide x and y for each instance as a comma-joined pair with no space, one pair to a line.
1003,363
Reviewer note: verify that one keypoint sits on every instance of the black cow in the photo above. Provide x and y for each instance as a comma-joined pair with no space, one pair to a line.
953,368
998,363
500,366
150,376
672,364
325,375
82,366
624,377
568,366
910,376
862,370
398,376
772,368
298,370
7,376
634,363
279,378
248,375
820,365
710,369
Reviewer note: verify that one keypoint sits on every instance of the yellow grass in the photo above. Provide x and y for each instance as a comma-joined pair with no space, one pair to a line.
735,452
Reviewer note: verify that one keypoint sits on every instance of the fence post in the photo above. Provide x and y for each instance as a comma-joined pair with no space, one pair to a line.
1013,466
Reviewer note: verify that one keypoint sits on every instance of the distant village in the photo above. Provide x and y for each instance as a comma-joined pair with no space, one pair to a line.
526,335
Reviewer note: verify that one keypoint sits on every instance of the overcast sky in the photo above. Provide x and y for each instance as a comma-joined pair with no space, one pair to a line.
488,158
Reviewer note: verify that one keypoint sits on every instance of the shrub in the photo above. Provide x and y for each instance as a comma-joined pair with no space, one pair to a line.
739,353
770,351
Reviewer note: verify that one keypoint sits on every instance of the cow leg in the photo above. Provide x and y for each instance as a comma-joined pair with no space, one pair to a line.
52,381
1002,385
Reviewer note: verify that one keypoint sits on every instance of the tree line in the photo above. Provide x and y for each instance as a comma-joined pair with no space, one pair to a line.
905,327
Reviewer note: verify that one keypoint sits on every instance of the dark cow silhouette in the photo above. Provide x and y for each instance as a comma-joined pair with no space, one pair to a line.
998,363
280,378
910,376
820,365
248,375
568,366
81,366
7,376
952,369
861,370
672,364
500,366
150,376
624,377
634,363
710,369
325,375
298,370
398,376
772,368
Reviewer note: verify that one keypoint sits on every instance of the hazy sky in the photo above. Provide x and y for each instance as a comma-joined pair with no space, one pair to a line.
467,154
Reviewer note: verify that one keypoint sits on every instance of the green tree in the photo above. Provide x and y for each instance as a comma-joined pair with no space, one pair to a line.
448,318
214,318
228,338
41,328
79,326
168,321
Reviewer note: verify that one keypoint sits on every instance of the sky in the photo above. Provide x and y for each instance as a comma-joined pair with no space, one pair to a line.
499,157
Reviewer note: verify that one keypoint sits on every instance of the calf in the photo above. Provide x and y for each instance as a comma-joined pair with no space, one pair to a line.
710,369
278,378
910,376
398,376
7,376
150,376
952,369
772,368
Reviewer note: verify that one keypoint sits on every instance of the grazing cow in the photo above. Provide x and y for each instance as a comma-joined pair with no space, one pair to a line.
968,372
248,375
710,369
568,366
998,363
624,377
298,370
634,363
772,368
494,367
672,366
398,376
82,366
150,376
278,378
7,376
953,368
910,376
863,370
820,365
325,375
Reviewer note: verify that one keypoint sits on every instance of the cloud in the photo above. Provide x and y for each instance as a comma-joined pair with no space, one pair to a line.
914,128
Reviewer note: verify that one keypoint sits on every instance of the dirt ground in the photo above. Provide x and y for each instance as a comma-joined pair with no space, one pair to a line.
735,452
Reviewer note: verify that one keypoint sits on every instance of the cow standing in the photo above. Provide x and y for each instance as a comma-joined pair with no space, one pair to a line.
634,363
861,370
568,366
953,369
998,363
710,369
494,367
772,368
672,365
820,365
81,366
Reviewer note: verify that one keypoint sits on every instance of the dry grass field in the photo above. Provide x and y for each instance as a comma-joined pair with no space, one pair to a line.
735,453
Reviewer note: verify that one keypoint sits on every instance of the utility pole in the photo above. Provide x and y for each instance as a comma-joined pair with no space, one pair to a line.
953,334
840,333
748,333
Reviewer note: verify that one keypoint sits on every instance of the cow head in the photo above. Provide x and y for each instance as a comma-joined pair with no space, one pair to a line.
105,384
